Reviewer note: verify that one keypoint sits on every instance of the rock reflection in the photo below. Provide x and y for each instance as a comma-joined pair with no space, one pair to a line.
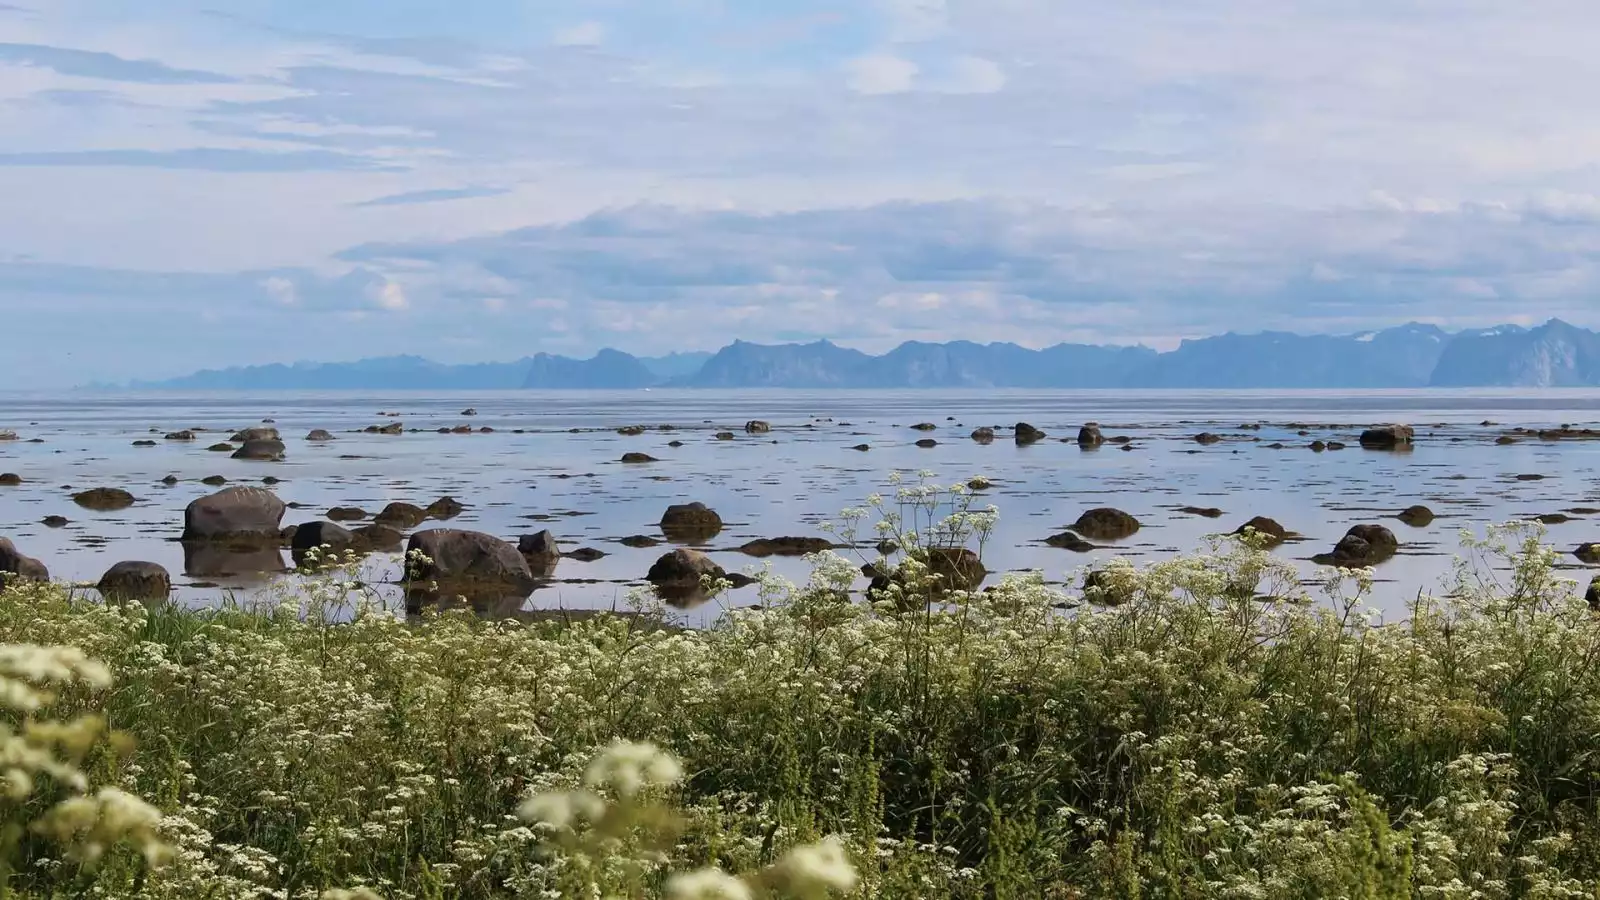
218,560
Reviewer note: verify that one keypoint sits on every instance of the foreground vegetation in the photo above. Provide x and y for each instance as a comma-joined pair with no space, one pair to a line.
1220,732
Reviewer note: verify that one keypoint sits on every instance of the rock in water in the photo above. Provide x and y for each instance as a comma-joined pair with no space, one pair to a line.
401,515
10,479
103,499
638,458
322,534
1416,516
691,521
1363,545
1106,524
1207,438
756,426
1389,437
541,546
346,514
683,568
255,434
1268,528
1066,540
14,566
786,546
1588,553
1089,435
135,581
265,450
318,435
234,514
468,562
445,508
924,426
984,435
1027,434
1593,594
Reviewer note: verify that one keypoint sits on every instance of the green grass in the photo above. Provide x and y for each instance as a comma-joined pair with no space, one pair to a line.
1220,733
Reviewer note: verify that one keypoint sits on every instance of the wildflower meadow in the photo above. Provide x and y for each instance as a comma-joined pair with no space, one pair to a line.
1204,726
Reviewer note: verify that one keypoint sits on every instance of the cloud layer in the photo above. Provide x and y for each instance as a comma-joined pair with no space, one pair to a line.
297,179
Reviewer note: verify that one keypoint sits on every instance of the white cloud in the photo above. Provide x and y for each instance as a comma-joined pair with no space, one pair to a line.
582,34
389,295
880,73
974,75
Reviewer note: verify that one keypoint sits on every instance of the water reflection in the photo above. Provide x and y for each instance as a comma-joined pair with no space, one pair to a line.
231,561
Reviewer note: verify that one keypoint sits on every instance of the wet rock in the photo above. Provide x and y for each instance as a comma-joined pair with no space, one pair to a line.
459,429
1592,595
135,580
266,450
638,458
631,430
924,426
1336,445
322,534
1552,518
234,514
445,508
1416,516
8,435
1588,553
319,435
691,522
466,562
14,566
684,568
1027,434
469,411
979,483
1207,438
214,481
1388,437
1209,512
1066,540
184,435
1318,446
170,480
255,434
674,443
1529,477
1505,440
541,546
1106,524
927,443
1363,545
724,435
786,546
639,541
373,538
401,515
984,435
286,534
756,426
585,554
1268,528
103,499
55,521
10,479
861,447
1089,435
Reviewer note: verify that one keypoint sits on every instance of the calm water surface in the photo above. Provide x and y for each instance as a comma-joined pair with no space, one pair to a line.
562,473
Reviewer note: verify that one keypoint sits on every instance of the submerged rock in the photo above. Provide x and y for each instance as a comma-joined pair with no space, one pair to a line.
401,515
786,546
1208,512
1418,516
104,499
1066,540
347,514
1106,524
1027,434
445,508
266,450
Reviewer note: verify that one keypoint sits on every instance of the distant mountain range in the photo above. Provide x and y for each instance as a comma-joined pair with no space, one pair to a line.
1555,354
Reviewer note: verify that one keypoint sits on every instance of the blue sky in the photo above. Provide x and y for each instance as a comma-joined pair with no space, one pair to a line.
189,187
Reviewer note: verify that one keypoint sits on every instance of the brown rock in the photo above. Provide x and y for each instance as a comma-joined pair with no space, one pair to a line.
135,581
104,499
1106,524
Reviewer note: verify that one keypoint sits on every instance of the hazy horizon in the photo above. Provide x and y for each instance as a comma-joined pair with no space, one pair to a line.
196,189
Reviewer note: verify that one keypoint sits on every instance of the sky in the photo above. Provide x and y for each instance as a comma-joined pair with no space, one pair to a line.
192,184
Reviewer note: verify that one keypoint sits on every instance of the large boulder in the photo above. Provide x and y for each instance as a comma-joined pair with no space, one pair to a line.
1388,437
16,566
103,499
261,450
234,514
466,562
134,580
1027,434
786,546
1106,524
256,434
401,515
1089,435
690,522
1363,545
